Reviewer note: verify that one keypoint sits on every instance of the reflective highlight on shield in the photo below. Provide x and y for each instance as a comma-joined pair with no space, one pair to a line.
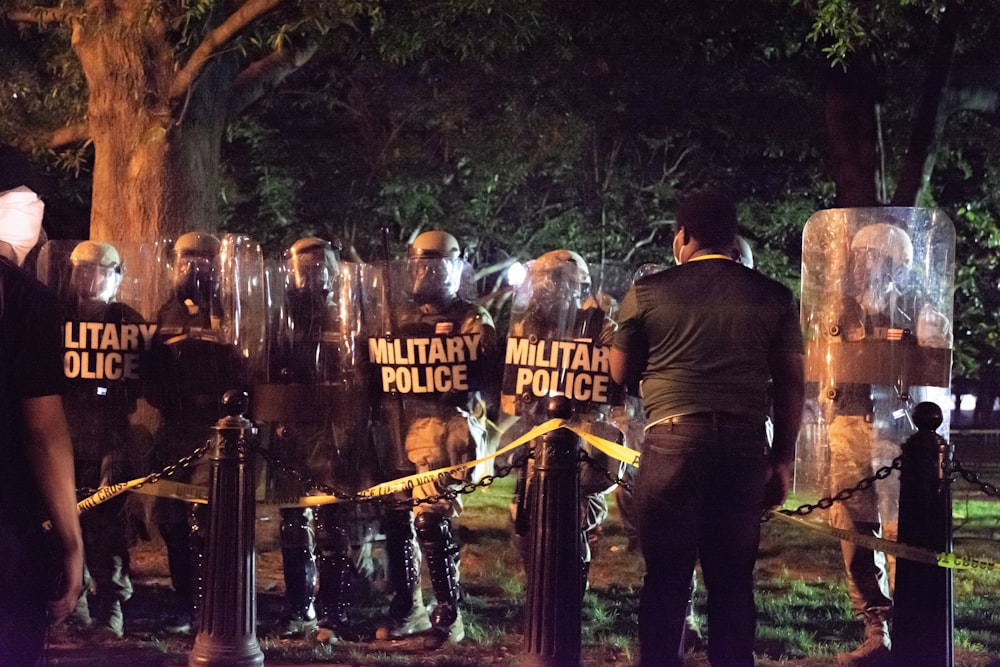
876,314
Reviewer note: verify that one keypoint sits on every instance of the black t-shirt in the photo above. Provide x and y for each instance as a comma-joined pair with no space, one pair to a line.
31,363
703,334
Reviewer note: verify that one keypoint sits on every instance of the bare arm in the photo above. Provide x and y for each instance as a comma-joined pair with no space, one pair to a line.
619,361
50,454
788,373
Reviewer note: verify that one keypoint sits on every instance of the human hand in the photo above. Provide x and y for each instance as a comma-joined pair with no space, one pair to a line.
776,484
71,589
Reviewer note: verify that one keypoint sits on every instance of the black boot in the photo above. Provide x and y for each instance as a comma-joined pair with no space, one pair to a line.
298,564
407,613
176,538
441,551
336,576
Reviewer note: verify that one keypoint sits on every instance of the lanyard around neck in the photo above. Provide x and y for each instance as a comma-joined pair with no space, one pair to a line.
715,256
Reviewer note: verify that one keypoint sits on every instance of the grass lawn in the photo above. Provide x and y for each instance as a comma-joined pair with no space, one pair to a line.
804,615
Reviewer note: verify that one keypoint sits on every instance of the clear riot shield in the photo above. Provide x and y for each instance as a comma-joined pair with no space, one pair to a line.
429,364
559,344
312,389
210,317
105,339
876,314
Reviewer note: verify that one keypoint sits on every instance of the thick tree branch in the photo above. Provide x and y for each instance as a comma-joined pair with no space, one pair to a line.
930,114
70,134
39,15
241,18
985,100
265,74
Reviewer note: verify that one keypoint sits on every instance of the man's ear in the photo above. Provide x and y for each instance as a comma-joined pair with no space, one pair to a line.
684,236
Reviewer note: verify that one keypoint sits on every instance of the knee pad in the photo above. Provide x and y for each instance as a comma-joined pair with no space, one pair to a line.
433,528
332,540
398,524
296,529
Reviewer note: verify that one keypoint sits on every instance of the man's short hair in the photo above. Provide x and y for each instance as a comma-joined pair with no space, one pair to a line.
710,217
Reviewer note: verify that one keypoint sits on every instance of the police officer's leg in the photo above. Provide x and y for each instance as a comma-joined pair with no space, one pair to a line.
441,551
173,527
298,564
867,579
197,543
407,614
108,559
593,512
336,574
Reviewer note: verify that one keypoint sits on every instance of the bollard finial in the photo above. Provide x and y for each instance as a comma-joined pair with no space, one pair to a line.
235,402
927,416
560,407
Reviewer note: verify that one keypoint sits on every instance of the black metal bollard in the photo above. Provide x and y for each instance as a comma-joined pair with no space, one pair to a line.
227,634
554,579
923,615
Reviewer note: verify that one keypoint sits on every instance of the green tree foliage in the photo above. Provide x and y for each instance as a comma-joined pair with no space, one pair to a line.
524,125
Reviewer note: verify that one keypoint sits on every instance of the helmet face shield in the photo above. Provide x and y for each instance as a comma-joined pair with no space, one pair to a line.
874,279
434,267
195,276
434,278
311,273
560,275
93,282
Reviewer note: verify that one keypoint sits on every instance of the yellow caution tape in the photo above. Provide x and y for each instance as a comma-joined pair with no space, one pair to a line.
612,449
898,549
161,488
411,481
199,494
166,488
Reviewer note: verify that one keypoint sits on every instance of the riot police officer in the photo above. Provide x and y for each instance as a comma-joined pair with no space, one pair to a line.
191,366
440,350
881,256
874,336
555,306
315,399
103,387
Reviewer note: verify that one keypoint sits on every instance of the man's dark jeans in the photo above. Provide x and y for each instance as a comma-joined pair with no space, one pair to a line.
699,497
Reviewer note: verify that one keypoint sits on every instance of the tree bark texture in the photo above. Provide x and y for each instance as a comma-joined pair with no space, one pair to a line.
155,158
852,99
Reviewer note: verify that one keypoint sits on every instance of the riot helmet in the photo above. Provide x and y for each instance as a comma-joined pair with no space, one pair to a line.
560,275
881,258
647,269
196,266
311,266
434,265
96,271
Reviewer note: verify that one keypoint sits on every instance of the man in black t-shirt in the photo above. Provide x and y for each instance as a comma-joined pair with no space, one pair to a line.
704,339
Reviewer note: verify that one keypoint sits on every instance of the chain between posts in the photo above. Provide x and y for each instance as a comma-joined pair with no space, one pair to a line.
955,466
974,478
182,463
595,464
846,493
448,494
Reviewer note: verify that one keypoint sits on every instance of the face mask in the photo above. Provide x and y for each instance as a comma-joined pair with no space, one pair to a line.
20,220
678,247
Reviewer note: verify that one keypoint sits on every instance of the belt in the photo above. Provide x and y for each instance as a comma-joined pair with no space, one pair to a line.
708,419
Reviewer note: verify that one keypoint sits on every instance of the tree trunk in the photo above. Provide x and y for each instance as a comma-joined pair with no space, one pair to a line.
852,95
155,161
931,114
